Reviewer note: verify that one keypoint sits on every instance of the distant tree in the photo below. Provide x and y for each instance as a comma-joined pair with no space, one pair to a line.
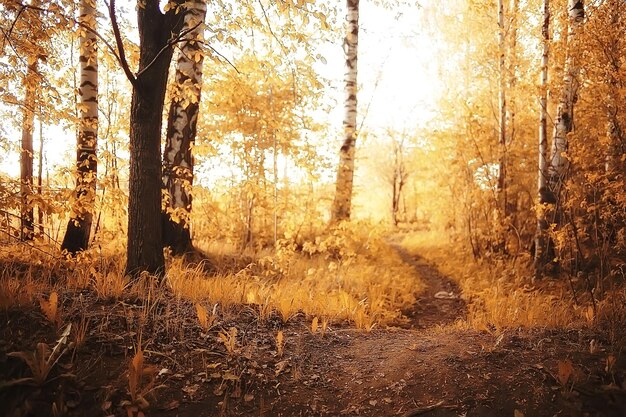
541,238
395,172
565,110
181,132
33,54
342,203
79,226
26,154
502,128
158,31
612,46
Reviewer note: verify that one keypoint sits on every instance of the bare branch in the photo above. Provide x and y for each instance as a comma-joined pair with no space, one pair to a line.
16,19
103,39
120,45
221,56
169,44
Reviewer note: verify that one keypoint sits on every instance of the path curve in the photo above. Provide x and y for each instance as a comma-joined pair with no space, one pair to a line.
440,303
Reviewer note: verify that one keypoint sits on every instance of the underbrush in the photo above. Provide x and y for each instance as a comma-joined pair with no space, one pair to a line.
503,294
344,274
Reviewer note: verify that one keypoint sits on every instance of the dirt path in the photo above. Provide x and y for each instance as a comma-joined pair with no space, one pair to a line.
426,369
441,301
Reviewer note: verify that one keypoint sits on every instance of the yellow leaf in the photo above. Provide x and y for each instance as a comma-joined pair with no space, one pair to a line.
566,369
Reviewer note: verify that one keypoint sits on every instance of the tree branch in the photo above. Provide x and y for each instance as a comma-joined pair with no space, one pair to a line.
120,45
221,56
169,44
102,38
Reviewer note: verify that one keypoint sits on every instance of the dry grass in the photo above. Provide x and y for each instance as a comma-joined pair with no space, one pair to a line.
349,274
367,284
503,295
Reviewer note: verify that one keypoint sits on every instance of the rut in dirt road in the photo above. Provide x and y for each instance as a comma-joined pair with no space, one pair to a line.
439,304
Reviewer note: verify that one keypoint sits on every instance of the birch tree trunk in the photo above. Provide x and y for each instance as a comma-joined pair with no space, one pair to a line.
342,203
40,213
145,240
512,82
27,228
79,226
542,225
502,142
181,133
565,110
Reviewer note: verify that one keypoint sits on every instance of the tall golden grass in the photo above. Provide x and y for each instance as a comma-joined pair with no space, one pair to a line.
349,274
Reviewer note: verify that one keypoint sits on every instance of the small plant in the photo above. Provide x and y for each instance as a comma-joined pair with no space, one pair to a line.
50,308
314,324
363,320
280,343
41,360
324,325
109,285
207,320
567,374
141,382
285,307
229,339
81,332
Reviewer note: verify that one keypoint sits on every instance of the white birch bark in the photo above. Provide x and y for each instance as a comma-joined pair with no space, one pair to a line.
181,129
501,103
542,175
341,208
79,227
565,110
500,212
512,83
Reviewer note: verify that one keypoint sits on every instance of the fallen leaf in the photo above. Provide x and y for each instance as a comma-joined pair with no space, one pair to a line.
190,389
248,397
172,405
518,413
566,369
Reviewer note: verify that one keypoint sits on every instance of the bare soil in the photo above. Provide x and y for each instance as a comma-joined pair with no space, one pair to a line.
424,366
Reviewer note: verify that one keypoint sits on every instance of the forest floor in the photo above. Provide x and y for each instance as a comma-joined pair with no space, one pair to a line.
427,365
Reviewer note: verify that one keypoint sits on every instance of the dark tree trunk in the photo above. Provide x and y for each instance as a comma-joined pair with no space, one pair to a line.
27,229
145,244
176,235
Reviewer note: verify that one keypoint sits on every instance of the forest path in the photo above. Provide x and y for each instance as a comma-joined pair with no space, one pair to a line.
440,303
426,368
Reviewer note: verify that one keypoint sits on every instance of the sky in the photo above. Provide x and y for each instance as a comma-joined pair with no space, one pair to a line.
398,78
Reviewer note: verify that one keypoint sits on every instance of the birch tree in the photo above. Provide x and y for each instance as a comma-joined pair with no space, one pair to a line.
181,132
342,203
79,226
543,196
616,134
565,110
502,142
